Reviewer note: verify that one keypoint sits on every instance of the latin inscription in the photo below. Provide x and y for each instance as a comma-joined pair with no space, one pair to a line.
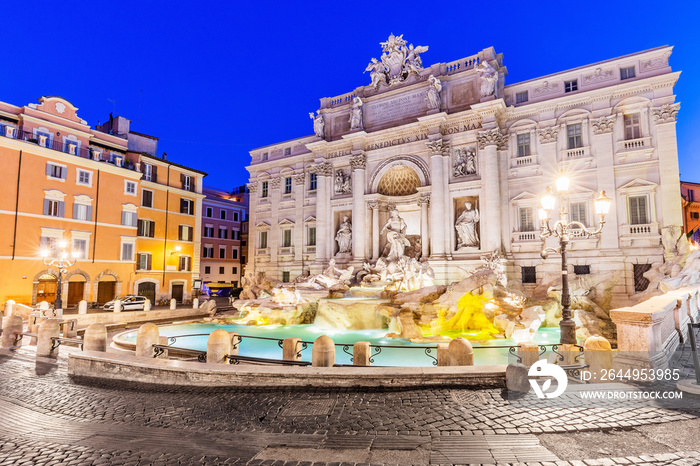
460,128
399,107
397,141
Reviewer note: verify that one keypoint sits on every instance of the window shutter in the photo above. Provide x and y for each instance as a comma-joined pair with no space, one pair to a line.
182,180
179,233
190,206
148,261
138,261
64,172
133,219
183,206
124,218
190,233
46,207
89,213
151,229
189,264
61,209
192,185
48,169
154,173
75,211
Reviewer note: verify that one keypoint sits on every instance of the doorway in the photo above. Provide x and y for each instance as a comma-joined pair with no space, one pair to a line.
76,292
178,290
148,289
105,292
46,289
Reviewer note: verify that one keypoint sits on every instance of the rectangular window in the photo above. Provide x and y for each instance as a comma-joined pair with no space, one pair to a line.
524,145
184,264
222,214
208,252
287,238
187,182
210,212
640,281
130,188
263,157
186,206
235,216
527,220
582,269
691,195
185,233
695,215
574,136
234,270
80,248
223,233
234,253
222,271
529,274
521,97
287,151
313,182
50,244
285,277
55,171
148,172
288,185
638,210
207,269
146,198
263,240
80,212
312,236
571,86
127,251
143,262
208,231
145,228
84,178
54,208
222,253
627,73
264,189
633,129
578,212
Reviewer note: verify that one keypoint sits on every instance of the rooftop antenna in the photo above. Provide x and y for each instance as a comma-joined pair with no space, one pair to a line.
140,99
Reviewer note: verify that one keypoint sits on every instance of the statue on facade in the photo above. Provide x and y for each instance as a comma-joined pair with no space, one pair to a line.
319,124
356,114
344,236
342,182
489,78
433,94
465,225
329,278
377,73
414,64
465,162
395,229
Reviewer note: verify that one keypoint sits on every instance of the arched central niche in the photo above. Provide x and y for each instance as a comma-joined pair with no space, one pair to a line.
399,180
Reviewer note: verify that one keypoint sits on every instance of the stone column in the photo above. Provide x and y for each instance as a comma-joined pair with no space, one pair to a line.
447,217
603,141
323,221
298,233
490,202
358,163
252,231
671,207
273,237
437,198
424,229
374,205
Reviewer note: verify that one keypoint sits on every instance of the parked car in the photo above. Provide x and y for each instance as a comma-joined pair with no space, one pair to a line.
129,303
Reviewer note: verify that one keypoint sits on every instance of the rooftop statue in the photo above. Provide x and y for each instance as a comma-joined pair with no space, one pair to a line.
489,78
356,114
377,72
319,124
414,64
397,62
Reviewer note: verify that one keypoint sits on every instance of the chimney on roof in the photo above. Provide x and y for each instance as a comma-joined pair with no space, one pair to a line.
164,156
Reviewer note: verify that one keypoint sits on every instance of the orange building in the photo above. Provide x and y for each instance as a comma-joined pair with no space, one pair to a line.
132,217
690,192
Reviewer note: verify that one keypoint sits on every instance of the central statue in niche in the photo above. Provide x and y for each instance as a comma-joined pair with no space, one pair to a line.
395,229
467,236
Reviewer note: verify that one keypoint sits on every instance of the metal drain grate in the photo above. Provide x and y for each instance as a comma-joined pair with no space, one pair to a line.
467,397
308,408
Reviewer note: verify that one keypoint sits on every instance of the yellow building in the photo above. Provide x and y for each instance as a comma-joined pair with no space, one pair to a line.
132,217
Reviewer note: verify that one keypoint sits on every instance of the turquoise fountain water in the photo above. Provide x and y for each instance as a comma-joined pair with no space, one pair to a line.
408,354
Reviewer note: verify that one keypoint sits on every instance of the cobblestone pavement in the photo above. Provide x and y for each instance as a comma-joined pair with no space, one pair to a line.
51,419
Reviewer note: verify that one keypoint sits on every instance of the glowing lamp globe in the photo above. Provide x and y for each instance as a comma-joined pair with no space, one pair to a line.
602,204
563,184
548,200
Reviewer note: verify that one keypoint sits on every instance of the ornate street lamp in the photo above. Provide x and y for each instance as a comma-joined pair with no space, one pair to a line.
564,230
61,261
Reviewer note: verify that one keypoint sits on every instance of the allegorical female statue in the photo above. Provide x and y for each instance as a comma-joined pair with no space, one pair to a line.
433,95
395,229
465,225
319,124
344,236
356,114
489,78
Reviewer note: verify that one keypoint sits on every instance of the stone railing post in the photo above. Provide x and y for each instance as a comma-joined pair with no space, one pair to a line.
361,353
218,346
235,343
290,349
11,325
147,305
598,355
117,305
34,323
146,337
443,354
529,353
323,353
70,328
460,352
48,330
95,338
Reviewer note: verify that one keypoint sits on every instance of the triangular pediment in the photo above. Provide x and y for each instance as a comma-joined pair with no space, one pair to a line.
525,195
310,219
262,224
638,183
285,221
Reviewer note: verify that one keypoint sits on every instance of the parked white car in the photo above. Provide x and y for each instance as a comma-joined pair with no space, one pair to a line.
129,303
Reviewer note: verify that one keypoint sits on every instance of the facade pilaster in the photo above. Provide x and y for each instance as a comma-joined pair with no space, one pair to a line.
490,141
671,206
298,234
374,206
358,163
252,221
437,197
604,143
273,242
424,229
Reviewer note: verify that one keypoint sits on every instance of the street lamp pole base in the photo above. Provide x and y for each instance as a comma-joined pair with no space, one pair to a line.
567,329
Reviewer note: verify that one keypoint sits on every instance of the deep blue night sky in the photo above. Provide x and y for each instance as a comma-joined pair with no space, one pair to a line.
214,80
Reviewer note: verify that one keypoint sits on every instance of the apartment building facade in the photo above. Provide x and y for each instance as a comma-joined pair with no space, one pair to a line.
690,192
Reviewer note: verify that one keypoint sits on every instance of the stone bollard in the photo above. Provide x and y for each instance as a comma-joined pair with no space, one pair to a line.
163,341
361,354
195,303
218,346
529,353
48,330
34,327
70,328
82,307
117,305
173,304
235,343
147,305
460,352
8,307
323,352
570,353
44,308
146,337
598,355
11,325
443,354
95,338
516,378
290,349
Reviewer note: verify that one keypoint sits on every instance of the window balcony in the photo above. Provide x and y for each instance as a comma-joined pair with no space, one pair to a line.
286,251
577,153
634,144
640,235
528,160
526,241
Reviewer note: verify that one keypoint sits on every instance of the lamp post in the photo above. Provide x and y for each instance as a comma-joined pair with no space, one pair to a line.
61,261
564,230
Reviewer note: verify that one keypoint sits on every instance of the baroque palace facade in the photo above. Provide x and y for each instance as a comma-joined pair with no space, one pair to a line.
465,158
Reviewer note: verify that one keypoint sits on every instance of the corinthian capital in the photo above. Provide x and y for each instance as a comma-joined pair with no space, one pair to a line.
492,137
275,182
299,178
548,134
358,162
322,169
252,186
438,147
603,124
666,113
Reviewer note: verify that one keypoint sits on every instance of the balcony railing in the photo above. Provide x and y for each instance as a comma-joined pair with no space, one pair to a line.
576,153
523,161
633,144
525,236
643,229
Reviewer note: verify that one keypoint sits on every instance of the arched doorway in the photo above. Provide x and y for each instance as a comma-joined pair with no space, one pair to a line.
76,289
46,289
106,289
147,289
